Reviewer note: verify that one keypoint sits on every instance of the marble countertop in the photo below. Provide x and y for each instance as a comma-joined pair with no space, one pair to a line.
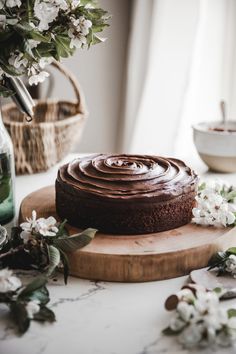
97,317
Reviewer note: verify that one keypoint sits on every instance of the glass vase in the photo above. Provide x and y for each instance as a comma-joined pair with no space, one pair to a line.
7,176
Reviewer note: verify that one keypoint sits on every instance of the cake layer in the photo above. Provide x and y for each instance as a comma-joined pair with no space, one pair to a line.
125,219
126,194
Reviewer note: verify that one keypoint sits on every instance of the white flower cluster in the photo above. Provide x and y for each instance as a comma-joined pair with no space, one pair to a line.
214,204
231,265
200,321
41,226
35,70
9,3
47,11
8,282
78,31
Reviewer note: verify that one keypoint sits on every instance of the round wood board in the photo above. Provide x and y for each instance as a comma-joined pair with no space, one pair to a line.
138,258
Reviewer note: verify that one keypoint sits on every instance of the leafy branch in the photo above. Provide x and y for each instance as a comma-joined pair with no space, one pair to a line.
224,262
32,250
27,303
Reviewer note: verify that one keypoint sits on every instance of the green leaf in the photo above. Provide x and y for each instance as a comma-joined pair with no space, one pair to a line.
37,36
169,332
231,313
218,259
63,46
36,284
96,39
231,195
45,314
231,250
54,259
62,231
41,294
24,28
75,242
217,290
9,69
202,186
65,263
5,92
85,2
20,316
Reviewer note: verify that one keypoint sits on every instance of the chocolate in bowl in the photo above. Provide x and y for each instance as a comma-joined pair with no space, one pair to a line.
216,145
126,194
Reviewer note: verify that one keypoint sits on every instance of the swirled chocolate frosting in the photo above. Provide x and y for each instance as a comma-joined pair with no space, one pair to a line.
127,177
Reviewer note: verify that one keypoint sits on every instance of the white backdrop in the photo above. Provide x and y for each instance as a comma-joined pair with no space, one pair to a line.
188,68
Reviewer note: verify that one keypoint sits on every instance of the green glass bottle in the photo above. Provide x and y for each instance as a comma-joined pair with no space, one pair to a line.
7,176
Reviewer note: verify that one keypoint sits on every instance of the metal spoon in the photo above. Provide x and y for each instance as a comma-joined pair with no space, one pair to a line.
223,112
21,96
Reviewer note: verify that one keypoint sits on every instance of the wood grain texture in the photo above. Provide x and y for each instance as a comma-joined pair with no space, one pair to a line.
138,258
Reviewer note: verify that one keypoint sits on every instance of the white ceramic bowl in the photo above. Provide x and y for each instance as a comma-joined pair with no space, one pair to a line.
217,148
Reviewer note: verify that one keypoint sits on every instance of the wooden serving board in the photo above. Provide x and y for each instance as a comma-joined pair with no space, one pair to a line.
136,258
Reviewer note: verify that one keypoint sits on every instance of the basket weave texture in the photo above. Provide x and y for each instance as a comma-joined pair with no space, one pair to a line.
53,133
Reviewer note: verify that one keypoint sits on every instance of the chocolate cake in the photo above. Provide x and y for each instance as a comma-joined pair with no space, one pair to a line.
126,194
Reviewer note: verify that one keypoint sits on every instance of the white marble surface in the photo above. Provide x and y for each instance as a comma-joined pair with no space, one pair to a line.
98,317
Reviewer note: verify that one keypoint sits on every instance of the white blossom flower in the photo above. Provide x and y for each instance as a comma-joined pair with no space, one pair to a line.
205,301
62,4
78,42
38,78
28,227
32,308
30,222
32,43
8,282
3,19
46,12
45,61
18,61
176,324
47,227
185,311
74,4
78,31
12,3
81,25
9,3
42,226
185,295
231,265
191,335
213,207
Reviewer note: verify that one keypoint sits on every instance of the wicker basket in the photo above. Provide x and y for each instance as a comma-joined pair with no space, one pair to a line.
53,133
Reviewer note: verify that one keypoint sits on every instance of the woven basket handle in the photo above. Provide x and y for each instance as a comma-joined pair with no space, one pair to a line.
78,92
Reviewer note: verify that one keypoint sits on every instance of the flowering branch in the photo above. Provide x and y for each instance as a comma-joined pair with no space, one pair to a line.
33,32
41,244
225,262
198,320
